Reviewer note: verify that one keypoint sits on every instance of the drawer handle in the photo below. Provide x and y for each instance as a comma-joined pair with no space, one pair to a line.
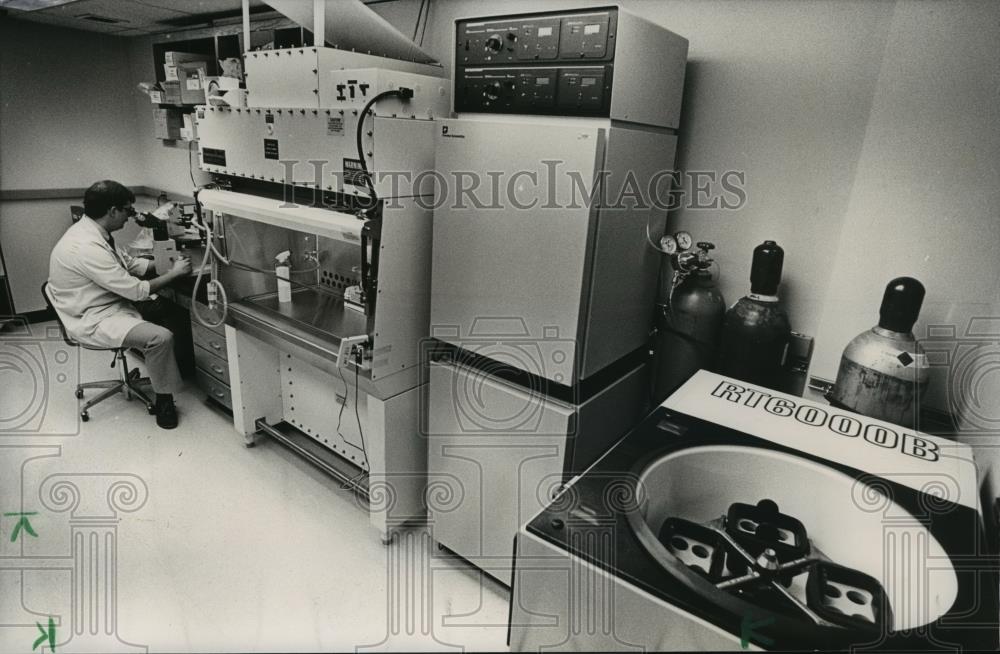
215,345
217,393
217,368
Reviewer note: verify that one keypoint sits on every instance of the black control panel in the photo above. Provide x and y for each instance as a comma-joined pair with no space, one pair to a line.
558,63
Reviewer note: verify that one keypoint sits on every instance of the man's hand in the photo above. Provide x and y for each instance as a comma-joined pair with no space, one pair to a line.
181,267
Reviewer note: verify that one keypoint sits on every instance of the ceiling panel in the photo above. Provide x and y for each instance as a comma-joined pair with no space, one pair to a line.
132,13
135,17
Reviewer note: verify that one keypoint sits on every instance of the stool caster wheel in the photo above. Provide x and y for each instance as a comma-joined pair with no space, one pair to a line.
79,393
84,416
151,409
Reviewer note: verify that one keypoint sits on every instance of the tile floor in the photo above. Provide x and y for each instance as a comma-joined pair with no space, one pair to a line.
227,548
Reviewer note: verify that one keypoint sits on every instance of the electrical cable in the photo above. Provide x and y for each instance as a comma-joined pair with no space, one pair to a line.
190,163
402,92
353,481
361,431
340,416
416,25
424,30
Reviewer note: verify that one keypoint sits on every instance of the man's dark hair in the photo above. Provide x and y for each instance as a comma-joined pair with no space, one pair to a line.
103,195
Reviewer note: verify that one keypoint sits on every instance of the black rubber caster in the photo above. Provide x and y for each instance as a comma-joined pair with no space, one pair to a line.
79,393
151,409
84,416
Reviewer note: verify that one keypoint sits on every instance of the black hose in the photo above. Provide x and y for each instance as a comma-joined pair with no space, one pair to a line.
404,93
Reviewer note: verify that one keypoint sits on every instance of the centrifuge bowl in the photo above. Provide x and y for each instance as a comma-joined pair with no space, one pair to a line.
852,522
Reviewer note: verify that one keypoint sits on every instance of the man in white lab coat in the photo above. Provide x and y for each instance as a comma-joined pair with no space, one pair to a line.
92,286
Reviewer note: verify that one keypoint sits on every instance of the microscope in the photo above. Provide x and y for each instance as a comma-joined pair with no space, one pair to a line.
168,223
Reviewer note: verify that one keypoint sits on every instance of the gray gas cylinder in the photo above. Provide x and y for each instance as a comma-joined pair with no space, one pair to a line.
883,371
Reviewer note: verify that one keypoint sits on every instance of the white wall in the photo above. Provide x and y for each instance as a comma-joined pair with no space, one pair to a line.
66,117
870,137
780,90
164,164
66,121
925,201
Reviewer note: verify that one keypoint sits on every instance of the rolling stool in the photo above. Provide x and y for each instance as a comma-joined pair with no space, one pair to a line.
128,381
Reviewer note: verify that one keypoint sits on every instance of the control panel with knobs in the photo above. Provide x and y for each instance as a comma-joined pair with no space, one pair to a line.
564,63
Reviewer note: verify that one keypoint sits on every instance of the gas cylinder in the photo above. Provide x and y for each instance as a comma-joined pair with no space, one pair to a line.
756,331
883,371
689,321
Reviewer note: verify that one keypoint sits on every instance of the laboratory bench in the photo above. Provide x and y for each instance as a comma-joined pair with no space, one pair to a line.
209,363
200,350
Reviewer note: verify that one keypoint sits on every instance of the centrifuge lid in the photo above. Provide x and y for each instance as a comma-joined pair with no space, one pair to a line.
604,497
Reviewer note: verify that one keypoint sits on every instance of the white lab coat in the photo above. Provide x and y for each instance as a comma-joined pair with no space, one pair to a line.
92,286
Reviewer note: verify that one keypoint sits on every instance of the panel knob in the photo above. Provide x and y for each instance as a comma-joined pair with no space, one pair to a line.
494,44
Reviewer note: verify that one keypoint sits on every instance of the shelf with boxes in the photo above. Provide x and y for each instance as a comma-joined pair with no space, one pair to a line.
186,84
205,69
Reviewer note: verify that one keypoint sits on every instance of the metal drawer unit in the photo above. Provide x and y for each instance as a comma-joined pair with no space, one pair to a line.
213,340
214,388
212,364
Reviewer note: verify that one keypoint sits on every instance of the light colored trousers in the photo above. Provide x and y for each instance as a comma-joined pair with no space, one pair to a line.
157,345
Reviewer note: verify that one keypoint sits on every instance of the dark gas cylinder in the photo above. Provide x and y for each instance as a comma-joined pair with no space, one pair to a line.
756,331
883,372
689,323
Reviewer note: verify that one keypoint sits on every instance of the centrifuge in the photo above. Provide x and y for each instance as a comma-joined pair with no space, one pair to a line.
737,517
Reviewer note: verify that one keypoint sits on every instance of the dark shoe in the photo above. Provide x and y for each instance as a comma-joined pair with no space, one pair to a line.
166,413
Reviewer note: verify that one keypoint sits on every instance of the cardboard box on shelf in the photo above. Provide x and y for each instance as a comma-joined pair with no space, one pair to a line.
171,72
190,76
165,93
174,58
167,123
171,92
